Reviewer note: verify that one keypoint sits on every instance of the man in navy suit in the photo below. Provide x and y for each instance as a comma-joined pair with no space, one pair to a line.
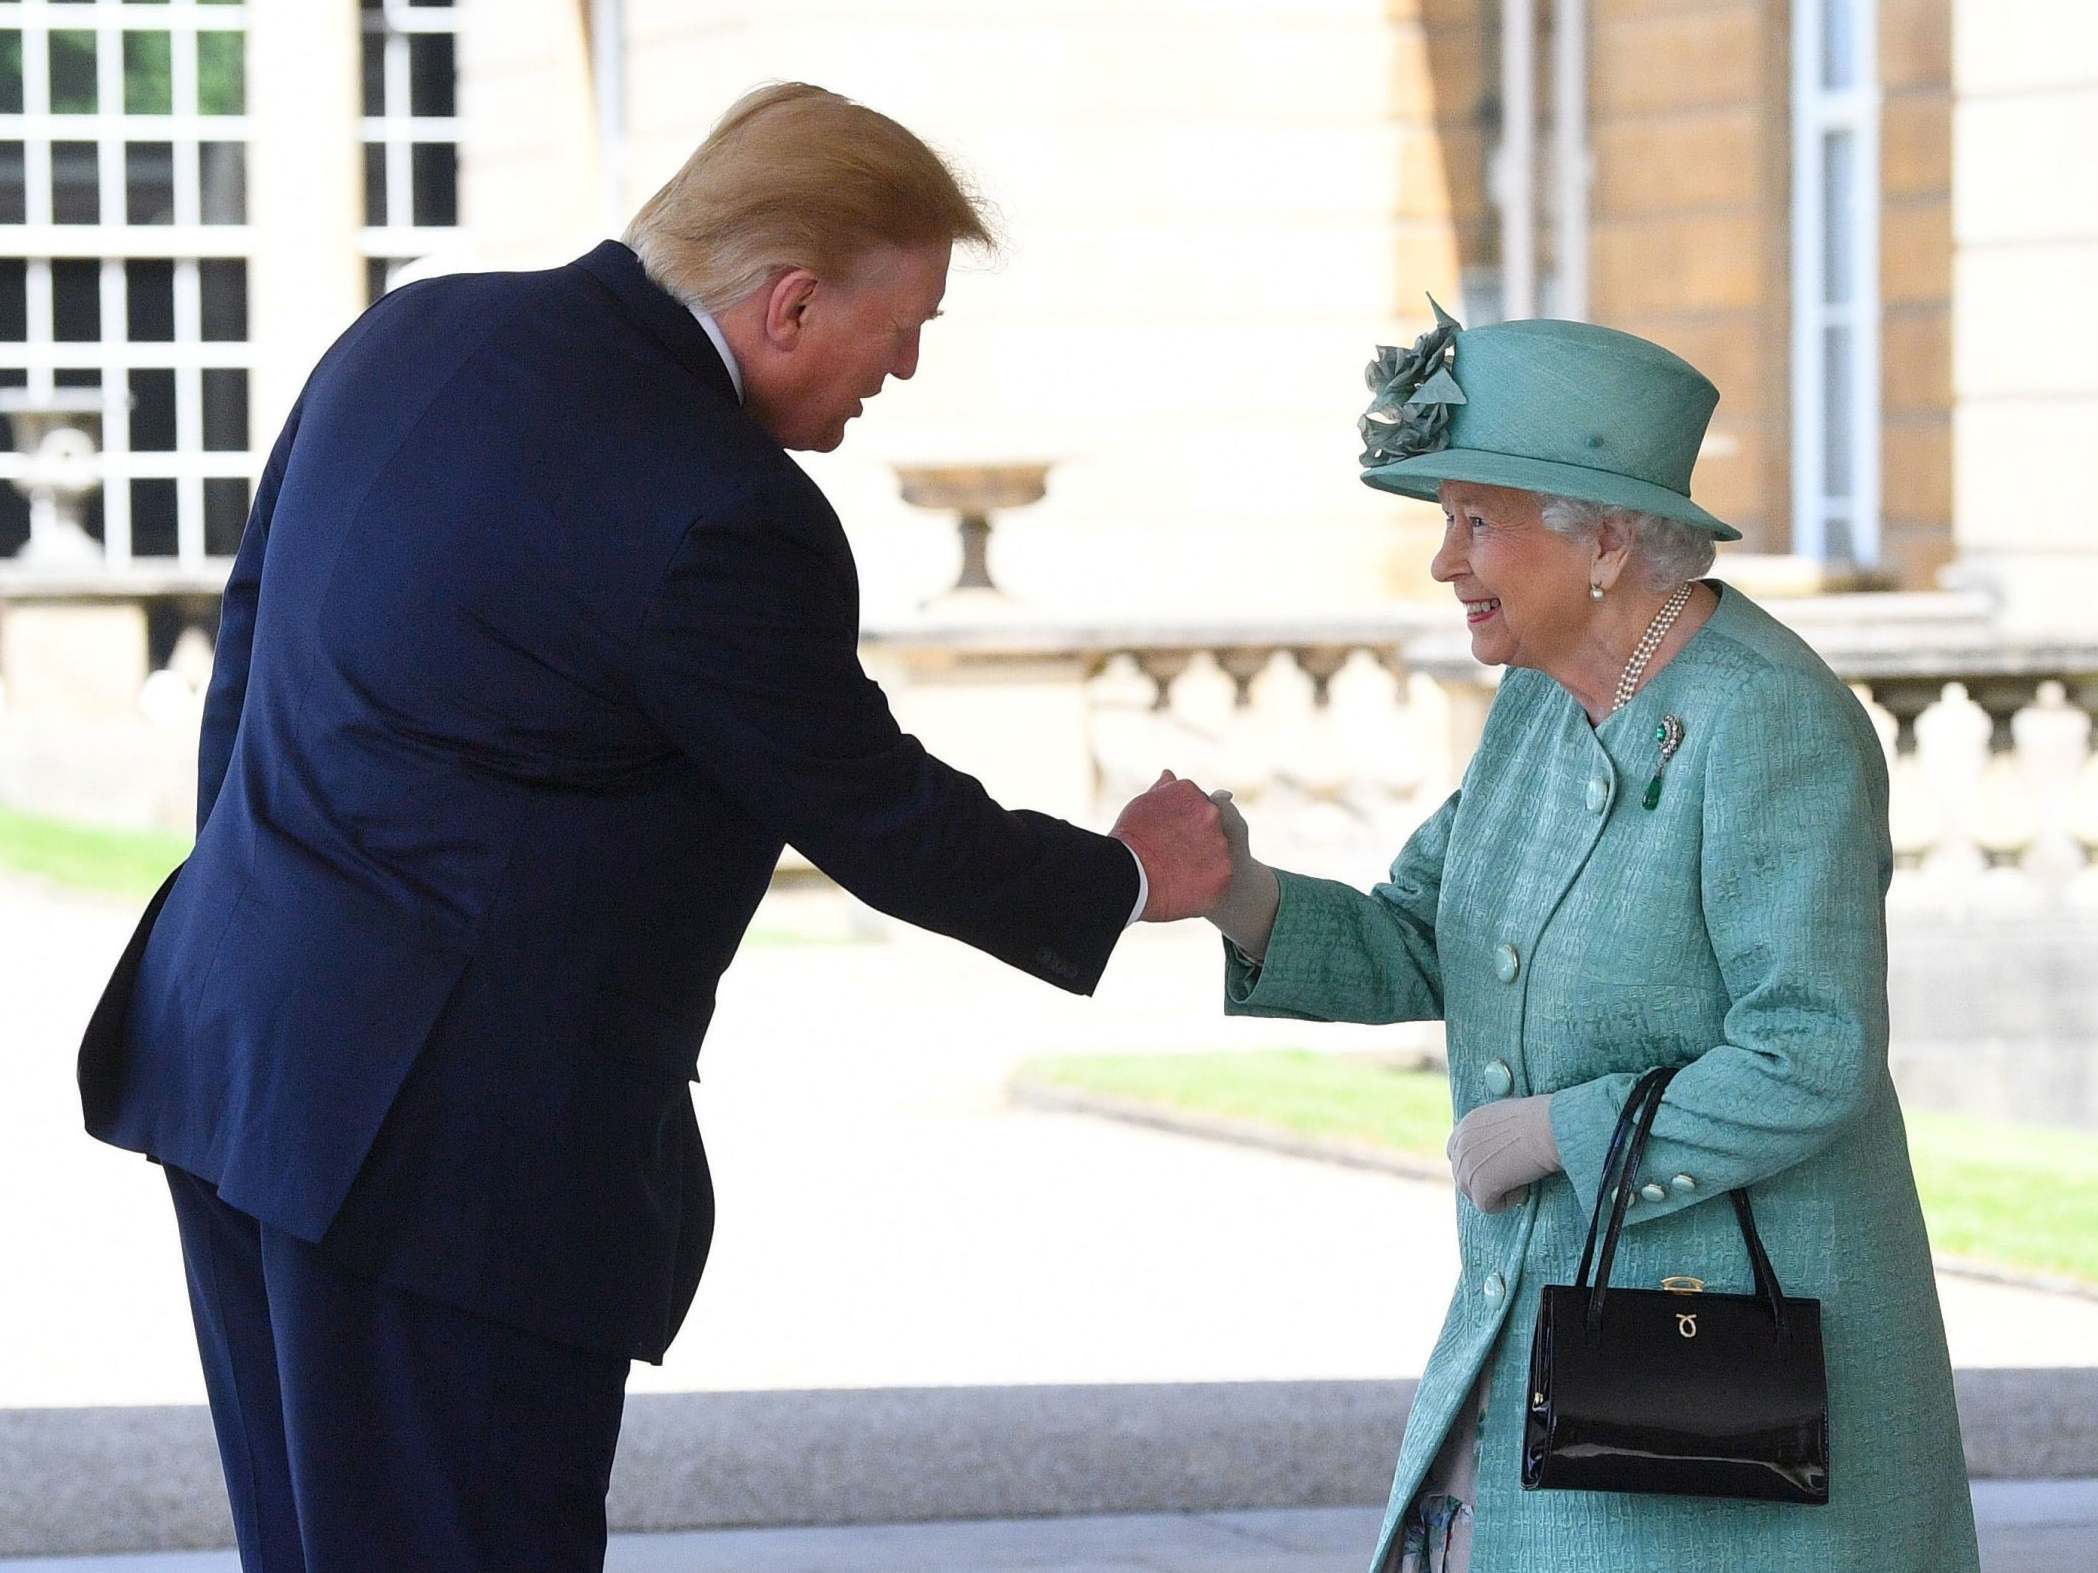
537,649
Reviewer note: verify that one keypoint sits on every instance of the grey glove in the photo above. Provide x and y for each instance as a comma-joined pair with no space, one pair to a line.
1499,1148
1246,915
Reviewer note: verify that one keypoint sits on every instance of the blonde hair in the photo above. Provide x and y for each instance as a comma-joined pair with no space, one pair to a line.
796,177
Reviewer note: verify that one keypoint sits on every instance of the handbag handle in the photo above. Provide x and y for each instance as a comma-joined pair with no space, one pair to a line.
1627,1150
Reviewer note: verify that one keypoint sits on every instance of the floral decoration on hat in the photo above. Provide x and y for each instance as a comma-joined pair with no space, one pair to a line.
1414,391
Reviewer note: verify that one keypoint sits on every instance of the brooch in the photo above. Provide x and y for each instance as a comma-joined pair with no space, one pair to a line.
1669,735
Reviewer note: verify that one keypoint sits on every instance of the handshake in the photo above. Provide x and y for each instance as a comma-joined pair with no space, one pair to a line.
1194,849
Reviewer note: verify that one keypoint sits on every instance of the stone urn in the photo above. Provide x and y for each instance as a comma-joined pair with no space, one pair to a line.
55,434
973,492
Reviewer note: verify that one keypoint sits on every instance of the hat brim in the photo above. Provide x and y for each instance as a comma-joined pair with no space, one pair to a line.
1422,475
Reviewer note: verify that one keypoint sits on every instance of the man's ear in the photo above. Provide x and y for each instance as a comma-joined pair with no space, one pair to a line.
787,306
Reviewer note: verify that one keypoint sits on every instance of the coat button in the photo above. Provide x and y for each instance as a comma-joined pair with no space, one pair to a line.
1653,1193
1494,1287
1498,1078
1684,1183
1506,963
1598,794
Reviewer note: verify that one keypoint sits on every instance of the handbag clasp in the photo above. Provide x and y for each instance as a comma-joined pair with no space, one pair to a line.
1683,1285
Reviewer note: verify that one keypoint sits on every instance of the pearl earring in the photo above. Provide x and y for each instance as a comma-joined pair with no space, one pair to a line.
1595,592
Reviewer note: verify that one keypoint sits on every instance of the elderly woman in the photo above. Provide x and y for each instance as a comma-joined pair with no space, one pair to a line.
1669,850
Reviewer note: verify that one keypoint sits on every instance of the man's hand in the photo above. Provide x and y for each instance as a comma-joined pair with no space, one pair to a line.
1177,833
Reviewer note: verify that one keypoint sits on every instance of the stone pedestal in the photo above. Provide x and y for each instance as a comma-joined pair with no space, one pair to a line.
1020,725
76,661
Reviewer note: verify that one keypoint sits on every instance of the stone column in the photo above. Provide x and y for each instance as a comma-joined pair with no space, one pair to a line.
305,193
2025,318
530,186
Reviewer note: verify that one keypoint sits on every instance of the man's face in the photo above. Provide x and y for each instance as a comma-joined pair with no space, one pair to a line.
853,335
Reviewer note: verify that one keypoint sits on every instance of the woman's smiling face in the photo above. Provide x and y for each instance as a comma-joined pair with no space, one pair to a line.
1524,587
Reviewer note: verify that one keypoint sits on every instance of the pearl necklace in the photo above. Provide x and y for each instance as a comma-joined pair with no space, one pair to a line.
1649,642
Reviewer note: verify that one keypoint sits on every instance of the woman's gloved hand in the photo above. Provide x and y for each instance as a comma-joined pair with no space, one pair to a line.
1246,915
1501,1148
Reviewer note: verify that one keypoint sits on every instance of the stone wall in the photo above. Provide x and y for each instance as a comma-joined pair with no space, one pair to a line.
2025,377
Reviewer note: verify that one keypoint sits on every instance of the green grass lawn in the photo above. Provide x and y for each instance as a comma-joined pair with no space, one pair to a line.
2017,1196
128,863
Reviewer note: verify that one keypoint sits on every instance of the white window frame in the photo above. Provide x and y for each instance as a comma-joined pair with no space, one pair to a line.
39,242
400,240
1820,114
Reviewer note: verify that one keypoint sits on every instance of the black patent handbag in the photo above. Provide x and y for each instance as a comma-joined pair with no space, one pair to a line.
1674,1390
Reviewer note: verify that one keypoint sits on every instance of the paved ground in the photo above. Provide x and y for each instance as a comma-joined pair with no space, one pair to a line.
885,1219
2027,1527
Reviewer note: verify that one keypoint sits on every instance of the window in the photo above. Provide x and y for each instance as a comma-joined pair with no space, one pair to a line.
123,258
411,136
1835,280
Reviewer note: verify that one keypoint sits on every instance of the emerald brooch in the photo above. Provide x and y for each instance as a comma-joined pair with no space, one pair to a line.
1669,736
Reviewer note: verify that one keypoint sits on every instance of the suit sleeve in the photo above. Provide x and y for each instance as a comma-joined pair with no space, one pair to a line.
1794,871
750,662
234,649
1339,954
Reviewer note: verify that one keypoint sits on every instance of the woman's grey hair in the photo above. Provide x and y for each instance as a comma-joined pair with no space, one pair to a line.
1665,552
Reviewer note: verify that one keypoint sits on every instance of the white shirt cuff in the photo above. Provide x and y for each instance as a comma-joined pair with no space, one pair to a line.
1143,889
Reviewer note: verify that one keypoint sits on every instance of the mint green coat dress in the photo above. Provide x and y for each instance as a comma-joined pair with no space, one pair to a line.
1571,938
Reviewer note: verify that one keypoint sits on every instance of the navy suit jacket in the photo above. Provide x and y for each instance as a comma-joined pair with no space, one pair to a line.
536,651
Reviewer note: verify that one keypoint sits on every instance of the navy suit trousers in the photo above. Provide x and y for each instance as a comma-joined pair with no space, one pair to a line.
364,1429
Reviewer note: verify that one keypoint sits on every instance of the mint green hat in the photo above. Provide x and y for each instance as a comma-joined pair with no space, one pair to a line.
1566,408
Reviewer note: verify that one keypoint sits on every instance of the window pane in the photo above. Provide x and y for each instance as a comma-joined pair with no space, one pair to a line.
1837,542
223,174
1839,42
225,410
76,185
10,72
436,183
152,410
1838,440
149,182
14,514
221,73
153,532
374,183
76,301
225,514
374,73
72,73
223,283
148,74
149,301
14,195
14,299
1838,215
375,271
430,74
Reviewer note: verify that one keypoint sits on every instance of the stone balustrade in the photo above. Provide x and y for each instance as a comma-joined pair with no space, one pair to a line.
1339,736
